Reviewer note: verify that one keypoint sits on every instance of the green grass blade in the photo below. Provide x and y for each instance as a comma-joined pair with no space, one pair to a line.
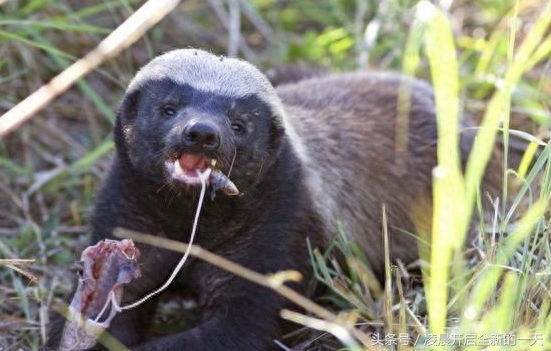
487,284
92,156
77,28
13,168
542,52
34,5
82,84
48,48
499,103
449,226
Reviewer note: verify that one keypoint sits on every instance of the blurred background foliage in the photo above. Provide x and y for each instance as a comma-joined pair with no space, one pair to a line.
51,166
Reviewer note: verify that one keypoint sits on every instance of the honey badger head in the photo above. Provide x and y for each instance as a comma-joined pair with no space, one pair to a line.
188,110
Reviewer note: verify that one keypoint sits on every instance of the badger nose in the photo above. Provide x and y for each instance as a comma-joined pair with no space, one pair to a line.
201,136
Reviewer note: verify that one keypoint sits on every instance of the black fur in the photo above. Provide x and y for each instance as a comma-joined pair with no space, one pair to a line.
264,230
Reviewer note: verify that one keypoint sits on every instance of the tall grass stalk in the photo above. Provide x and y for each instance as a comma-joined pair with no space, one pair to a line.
495,113
455,194
500,101
448,225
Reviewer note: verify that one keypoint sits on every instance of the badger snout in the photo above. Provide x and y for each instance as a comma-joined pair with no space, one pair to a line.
201,137
193,150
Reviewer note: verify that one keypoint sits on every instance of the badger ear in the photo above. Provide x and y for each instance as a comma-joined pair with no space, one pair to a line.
128,110
277,131
126,114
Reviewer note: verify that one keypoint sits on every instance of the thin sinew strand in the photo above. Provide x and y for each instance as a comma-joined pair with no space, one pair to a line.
202,176
111,300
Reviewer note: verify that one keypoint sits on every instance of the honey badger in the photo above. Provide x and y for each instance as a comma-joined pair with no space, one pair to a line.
305,156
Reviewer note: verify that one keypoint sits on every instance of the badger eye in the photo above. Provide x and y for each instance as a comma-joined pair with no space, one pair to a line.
238,127
169,111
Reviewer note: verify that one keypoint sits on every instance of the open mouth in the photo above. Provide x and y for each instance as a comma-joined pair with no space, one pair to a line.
190,168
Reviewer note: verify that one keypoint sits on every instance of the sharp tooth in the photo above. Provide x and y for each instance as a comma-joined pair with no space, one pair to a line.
177,168
213,163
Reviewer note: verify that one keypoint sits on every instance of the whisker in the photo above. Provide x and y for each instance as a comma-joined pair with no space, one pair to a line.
232,161
259,172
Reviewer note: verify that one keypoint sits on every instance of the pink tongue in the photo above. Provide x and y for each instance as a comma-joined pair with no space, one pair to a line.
190,162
